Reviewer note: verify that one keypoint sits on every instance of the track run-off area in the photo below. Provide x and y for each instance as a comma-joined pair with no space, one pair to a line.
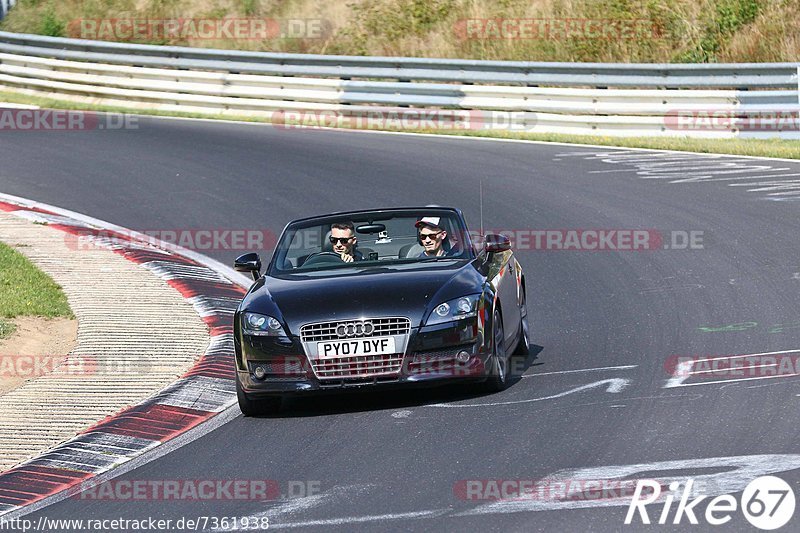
673,361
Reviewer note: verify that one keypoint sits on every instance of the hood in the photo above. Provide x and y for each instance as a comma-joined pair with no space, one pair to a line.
387,293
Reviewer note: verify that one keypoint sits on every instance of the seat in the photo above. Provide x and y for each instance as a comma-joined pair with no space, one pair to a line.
410,250
327,246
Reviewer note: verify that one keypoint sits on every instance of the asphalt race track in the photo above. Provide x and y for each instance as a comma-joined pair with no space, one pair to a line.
598,397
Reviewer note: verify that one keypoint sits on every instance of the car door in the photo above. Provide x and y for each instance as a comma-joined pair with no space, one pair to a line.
503,276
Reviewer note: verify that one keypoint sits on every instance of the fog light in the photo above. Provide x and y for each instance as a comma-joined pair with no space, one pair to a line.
463,357
259,372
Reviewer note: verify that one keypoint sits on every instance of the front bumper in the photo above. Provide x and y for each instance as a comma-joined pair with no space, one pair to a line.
429,359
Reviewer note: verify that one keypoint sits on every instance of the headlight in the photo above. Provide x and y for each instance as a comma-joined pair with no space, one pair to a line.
255,324
464,307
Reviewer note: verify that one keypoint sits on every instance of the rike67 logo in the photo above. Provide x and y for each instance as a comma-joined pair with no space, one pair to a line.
767,502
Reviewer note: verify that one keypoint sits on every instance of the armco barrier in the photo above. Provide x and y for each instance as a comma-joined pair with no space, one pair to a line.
699,100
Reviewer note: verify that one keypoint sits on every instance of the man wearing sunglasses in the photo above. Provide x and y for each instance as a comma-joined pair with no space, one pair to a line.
431,237
343,238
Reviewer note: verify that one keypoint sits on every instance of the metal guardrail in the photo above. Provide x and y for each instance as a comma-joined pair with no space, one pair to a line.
745,75
593,98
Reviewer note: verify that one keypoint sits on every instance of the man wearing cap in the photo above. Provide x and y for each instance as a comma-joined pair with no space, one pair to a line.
431,237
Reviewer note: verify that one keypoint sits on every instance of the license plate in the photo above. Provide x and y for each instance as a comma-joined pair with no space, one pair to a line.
355,347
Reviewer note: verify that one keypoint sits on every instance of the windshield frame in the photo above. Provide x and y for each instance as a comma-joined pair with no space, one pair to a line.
468,252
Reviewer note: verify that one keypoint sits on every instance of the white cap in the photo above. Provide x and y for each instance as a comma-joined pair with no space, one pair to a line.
428,221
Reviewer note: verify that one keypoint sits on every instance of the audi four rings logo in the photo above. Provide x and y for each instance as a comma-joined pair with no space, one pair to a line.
355,329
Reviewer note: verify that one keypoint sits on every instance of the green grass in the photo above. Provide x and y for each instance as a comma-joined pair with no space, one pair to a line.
6,329
27,291
668,30
784,149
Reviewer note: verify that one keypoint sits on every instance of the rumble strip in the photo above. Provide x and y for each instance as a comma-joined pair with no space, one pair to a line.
204,390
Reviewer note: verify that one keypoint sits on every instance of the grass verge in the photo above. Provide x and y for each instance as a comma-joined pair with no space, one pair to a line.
785,149
648,31
6,328
26,291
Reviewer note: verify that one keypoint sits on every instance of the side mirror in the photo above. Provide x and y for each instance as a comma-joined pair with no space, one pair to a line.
248,263
496,243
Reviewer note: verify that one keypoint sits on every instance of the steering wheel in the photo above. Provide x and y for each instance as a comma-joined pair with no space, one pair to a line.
321,258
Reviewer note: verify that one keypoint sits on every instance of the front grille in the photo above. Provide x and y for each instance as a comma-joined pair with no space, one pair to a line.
290,368
326,331
439,355
363,366
440,361
356,382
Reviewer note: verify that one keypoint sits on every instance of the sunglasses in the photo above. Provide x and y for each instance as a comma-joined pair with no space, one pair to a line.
431,236
342,240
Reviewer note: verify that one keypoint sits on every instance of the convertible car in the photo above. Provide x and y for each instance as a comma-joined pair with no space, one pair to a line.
373,299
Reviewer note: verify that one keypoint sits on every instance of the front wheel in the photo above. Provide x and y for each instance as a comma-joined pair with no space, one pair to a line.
252,407
524,346
498,362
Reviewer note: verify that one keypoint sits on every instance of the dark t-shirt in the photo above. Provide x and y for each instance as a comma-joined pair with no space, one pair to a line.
445,254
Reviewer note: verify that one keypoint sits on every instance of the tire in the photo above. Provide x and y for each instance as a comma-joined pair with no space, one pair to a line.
251,407
498,371
523,348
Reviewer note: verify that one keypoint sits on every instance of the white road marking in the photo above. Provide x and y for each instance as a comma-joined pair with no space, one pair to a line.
736,473
401,414
735,380
680,375
293,506
615,385
775,186
681,168
742,356
623,367
698,372
614,171
361,519
684,370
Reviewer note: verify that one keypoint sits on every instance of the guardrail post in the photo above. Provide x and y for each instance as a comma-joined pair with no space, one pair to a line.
559,97
5,5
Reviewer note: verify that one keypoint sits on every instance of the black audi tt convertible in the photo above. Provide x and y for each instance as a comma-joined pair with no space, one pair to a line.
370,299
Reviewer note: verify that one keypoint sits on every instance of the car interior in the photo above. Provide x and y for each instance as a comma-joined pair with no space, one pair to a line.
394,238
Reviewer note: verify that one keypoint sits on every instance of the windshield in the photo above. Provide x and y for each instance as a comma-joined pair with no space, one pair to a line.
372,239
